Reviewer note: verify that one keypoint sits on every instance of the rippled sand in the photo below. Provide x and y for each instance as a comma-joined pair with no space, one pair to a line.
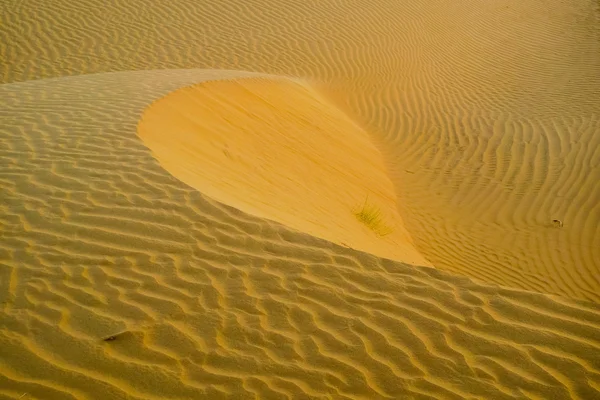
147,253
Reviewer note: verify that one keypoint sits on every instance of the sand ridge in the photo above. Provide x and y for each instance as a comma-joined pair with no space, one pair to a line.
205,301
487,113
276,149
117,280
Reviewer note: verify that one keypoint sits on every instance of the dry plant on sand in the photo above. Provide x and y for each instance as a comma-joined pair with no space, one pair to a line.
371,216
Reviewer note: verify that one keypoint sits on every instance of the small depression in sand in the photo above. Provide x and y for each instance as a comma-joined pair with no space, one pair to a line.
277,149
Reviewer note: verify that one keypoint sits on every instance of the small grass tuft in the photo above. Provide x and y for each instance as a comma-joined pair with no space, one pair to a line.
371,216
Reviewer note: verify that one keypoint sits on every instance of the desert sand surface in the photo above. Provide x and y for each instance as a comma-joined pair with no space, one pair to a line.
147,252
275,148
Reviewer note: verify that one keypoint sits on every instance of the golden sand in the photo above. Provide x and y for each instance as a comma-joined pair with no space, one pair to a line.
486,113
133,267
276,149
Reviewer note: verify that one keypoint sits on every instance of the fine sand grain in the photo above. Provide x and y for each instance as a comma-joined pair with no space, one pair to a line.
173,227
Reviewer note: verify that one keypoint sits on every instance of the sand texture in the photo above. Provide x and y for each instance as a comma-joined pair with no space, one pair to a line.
276,149
179,182
205,301
486,112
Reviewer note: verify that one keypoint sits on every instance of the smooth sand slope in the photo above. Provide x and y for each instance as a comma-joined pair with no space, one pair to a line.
486,112
276,149
205,301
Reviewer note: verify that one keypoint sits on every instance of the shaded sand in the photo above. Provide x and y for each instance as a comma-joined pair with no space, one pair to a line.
278,150
204,301
486,112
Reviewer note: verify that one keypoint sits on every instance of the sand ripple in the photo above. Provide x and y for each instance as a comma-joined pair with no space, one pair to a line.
119,281
487,111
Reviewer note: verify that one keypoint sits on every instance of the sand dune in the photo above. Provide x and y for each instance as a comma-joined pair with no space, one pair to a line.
276,149
205,301
487,113
125,274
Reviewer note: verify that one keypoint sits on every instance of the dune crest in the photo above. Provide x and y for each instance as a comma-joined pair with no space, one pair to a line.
276,149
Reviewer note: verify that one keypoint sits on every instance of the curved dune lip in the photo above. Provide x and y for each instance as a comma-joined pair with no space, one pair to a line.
277,149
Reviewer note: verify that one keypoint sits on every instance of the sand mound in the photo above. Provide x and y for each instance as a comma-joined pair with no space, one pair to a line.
278,150
119,281
486,112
